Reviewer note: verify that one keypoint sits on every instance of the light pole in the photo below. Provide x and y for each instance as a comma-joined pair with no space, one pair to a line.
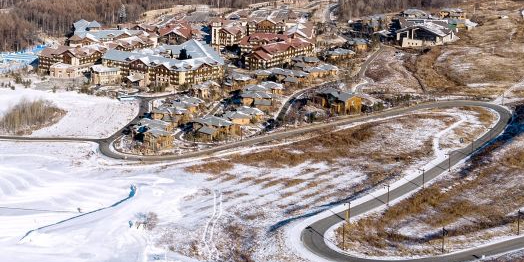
449,160
387,203
518,221
423,177
444,234
346,222
348,212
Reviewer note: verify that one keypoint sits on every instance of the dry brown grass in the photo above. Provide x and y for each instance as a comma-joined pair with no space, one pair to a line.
496,184
484,55
212,167
434,78
28,116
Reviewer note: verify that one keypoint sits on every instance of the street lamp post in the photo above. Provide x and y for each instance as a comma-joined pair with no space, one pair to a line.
348,213
518,221
387,203
346,222
423,177
449,160
444,234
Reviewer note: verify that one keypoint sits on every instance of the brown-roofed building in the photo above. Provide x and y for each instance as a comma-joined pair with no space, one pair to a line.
279,53
176,33
250,42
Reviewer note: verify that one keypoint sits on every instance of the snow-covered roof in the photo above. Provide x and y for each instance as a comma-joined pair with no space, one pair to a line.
213,121
101,69
200,54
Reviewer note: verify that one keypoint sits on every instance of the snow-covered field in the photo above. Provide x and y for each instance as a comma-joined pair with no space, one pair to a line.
243,211
87,116
59,179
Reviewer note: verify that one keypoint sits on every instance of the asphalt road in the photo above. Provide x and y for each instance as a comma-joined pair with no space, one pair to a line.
313,237
106,148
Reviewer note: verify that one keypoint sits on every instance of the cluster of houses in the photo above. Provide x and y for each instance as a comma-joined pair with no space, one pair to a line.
265,38
249,109
414,27
275,48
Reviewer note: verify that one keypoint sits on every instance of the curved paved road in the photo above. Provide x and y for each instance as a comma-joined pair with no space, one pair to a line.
106,148
313,236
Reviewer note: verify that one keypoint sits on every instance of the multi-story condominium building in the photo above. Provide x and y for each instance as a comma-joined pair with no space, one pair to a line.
50,56
77,59
83,25
177,33
171,65
102,36
266,26
227,32
279,53
248,43
101,75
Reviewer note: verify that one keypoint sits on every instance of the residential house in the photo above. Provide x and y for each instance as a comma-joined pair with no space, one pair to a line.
321,71
454,13
236,81
227,32
237,118
260,100
212,128
83,26
414,13
154,135
359,45
255,113
339,54
338,102
102,36
424,33
206,90
267,87
267,25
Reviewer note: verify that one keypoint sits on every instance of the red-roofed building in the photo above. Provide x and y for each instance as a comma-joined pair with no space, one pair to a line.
278,54
250,42
176,33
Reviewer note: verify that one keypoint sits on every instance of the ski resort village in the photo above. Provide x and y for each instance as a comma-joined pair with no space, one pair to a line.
282,130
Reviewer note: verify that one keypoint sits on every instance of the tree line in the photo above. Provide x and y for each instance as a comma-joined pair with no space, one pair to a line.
19,28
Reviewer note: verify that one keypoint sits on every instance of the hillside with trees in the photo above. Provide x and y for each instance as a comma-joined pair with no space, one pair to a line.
19,27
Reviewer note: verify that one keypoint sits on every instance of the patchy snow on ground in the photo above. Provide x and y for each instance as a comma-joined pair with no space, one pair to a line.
87,116
243,211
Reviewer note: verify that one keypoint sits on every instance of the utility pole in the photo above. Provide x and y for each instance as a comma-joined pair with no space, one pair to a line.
444,234
449,161
348,213
346,223
518,221
423,177
387,203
